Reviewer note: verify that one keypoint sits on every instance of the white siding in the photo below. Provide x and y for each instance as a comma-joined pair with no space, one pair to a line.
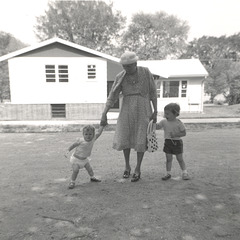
28,82
195,96
192,102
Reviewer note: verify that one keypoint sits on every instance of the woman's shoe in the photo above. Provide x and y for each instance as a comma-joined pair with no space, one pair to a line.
185,176
126,173
71,185
135,177
94,179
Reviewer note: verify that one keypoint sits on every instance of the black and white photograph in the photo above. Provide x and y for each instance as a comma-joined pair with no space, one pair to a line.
119,120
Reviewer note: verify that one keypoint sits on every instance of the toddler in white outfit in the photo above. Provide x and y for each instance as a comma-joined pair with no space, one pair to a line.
82,151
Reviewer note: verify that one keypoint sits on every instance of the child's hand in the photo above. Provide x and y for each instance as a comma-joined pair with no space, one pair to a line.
154,117
172,135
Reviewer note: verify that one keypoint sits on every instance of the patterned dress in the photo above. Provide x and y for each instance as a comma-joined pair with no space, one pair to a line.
138,92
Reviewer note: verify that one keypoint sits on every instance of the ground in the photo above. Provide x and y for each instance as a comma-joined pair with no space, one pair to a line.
36,203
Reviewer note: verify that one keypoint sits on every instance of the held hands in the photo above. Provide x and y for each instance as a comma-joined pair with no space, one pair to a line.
154,117
103,120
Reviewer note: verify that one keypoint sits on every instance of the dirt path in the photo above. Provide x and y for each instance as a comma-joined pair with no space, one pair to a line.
36,204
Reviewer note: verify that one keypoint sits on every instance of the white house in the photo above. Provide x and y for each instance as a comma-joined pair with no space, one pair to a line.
57,79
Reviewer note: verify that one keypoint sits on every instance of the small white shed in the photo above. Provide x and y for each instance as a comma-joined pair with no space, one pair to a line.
180,81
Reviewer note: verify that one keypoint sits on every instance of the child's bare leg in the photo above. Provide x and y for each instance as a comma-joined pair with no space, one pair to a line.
89,169
75,169
182,166
75,172
181,161
169,159
91,173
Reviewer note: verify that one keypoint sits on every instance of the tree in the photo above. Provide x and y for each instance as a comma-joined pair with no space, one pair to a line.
8,44
233,96
89,23
4,82
217,81
219,56
156,36
208,49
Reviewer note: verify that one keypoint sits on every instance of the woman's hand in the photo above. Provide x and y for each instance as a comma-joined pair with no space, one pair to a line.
154,117
104,120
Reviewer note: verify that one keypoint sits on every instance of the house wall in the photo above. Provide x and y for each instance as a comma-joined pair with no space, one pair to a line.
32,96
25,112
28,82
20,112
195,95
84,111
192,102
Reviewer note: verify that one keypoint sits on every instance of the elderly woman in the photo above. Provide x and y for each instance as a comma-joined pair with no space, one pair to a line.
138,89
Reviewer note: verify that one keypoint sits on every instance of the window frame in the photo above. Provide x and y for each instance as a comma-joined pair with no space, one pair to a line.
159,88
182,88
170,91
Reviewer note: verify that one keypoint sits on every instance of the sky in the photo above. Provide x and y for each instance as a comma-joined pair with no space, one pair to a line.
205,17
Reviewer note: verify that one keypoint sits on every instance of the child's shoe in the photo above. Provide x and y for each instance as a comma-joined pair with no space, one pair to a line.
71,185
168,176
185,176
94,179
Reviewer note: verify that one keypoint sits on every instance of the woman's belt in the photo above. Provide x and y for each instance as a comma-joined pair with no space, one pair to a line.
133,94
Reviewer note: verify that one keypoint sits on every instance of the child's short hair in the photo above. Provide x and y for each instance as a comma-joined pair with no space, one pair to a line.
173,107
89,128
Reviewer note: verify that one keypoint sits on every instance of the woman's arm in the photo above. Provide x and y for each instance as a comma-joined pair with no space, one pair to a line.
112,97
154,115
153,96
103,122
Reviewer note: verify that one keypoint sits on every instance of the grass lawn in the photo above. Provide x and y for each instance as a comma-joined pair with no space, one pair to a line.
215,111
36,204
